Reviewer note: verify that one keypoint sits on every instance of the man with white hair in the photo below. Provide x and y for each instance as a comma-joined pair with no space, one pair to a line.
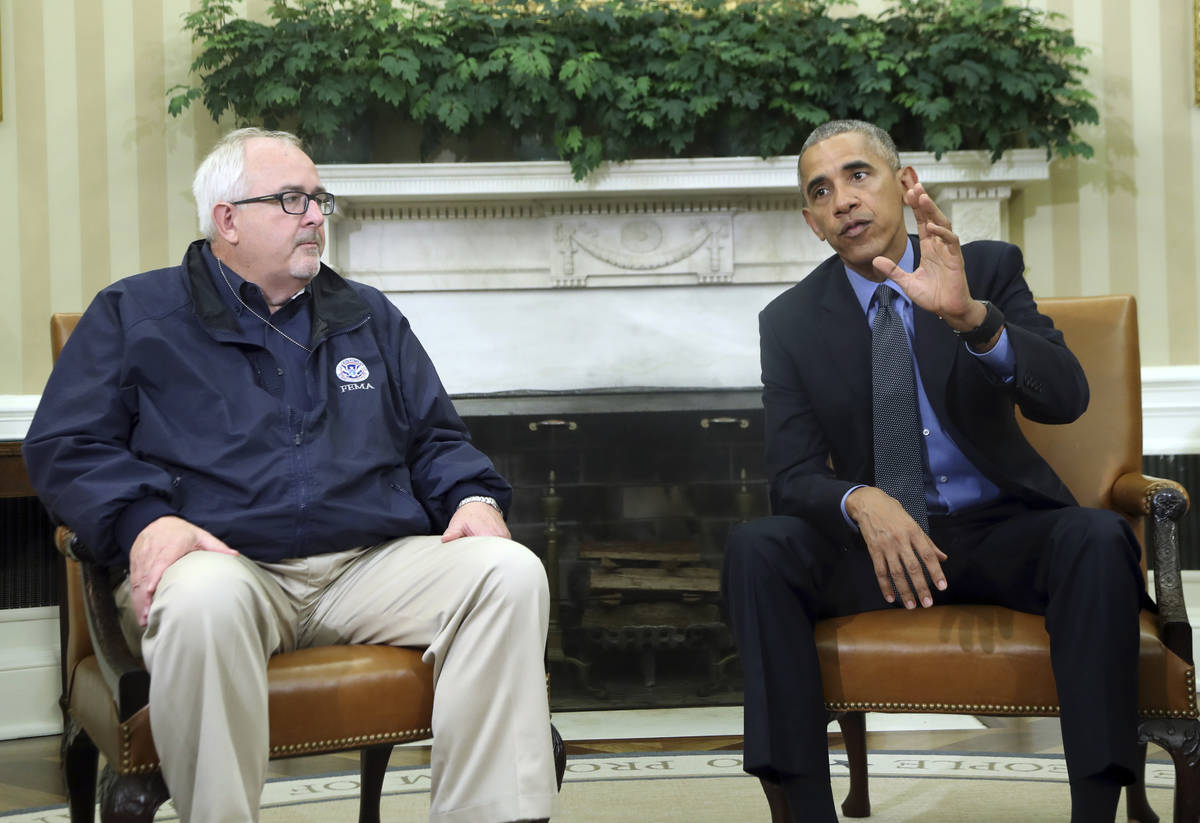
268,450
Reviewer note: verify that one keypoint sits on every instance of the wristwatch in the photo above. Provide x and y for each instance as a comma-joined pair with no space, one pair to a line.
479,498
986,330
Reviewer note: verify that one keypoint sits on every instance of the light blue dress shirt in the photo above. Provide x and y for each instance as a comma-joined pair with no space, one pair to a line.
952,482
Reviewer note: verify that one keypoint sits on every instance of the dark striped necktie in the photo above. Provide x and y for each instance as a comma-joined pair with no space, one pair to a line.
899,470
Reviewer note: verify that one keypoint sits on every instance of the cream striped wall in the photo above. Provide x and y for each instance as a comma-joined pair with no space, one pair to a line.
96,176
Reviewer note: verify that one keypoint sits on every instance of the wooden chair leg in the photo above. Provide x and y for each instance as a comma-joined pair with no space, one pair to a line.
373,763
1137,805
1181,739
560,755
777,800
79,760
130,798
854,736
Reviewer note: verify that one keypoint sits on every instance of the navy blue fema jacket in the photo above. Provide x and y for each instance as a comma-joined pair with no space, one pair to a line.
160,405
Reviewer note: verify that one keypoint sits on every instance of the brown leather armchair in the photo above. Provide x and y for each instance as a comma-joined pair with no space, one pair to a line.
988,660
325,699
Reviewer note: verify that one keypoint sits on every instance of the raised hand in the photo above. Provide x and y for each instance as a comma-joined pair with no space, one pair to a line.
939,284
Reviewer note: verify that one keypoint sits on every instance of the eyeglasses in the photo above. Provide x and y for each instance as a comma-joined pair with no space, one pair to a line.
294,202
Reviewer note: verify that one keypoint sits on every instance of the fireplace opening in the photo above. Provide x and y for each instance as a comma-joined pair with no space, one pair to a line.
627,497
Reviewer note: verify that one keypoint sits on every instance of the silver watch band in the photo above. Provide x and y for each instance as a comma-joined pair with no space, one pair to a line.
479,498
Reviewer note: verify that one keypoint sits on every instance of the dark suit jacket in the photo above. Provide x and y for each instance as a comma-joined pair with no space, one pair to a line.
816,373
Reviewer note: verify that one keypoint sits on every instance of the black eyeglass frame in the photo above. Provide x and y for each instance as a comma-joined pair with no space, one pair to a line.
323,199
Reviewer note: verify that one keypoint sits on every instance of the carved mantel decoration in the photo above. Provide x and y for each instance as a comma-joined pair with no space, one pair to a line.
624,252
679,222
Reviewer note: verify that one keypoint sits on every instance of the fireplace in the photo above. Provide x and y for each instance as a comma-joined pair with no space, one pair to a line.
627,497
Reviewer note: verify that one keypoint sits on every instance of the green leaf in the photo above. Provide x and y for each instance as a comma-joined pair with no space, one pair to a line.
403,64
454,114
612,79
388,90
572,141
703,105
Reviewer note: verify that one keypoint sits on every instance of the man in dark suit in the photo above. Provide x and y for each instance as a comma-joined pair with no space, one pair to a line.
988,520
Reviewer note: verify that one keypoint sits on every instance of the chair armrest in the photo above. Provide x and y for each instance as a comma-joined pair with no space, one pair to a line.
67,543
124,673
1163,503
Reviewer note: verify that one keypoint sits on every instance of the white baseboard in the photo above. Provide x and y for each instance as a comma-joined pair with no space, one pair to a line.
30,678
1171,410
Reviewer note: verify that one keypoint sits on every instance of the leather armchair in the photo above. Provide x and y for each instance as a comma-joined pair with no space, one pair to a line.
324,699
988,660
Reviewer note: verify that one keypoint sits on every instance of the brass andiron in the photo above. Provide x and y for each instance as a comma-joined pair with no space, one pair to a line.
744,502
551,506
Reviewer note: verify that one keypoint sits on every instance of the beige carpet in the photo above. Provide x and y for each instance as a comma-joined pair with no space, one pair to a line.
941,787
736,799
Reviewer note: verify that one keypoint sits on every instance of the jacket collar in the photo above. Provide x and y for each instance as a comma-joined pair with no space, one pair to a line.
844,330
335,305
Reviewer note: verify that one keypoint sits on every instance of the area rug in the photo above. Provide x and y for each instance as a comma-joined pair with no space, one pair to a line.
933,787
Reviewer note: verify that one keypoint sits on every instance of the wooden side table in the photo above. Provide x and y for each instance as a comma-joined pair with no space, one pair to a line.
14,480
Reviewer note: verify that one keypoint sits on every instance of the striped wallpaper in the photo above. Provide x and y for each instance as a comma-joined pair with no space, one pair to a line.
96,177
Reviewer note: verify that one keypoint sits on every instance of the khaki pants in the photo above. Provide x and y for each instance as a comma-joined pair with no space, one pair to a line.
479,604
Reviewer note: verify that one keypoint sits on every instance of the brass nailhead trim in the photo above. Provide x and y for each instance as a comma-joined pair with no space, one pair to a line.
991,708
128,767
1190,679
351,742
942,708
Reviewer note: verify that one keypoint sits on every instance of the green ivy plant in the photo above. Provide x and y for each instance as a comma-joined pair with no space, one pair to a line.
591,81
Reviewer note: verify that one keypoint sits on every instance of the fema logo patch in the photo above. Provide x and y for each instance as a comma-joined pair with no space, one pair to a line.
352,370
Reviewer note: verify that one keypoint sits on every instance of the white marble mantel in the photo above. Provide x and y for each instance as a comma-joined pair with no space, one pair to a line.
647,273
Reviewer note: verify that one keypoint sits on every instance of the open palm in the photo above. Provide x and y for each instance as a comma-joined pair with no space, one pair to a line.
939,284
